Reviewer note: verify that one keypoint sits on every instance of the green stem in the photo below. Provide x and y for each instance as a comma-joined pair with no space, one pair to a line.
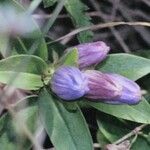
54,16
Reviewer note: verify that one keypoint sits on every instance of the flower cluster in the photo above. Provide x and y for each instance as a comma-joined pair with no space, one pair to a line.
71,83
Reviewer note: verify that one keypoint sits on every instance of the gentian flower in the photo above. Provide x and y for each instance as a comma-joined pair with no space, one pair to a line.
69,83
112,88
101,86
91,53
131,93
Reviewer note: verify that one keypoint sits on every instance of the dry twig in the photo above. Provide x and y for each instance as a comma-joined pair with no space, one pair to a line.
101,26
133,132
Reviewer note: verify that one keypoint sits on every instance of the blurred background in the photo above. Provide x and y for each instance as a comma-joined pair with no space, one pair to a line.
121,39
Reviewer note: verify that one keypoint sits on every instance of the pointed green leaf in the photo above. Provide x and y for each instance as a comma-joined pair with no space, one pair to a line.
66,128
137,113
130,66
112,128
77,9
71,58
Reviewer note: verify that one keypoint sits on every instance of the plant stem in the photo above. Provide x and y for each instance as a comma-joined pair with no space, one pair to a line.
133,132
100,26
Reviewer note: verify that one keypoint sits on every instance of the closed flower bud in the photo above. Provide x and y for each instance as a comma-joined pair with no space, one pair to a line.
101,86
91,53
131,93
69,83
112,88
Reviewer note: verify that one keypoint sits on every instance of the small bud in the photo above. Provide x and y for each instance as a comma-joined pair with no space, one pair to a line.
69,83
91,53
101,86
131,93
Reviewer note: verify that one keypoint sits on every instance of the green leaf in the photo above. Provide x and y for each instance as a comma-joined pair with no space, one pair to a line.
140,144
23,71
48,3
107,134
112,130
137,113
71,58
11,137
101,139
130,66
23,63
66,128
26,81
77,9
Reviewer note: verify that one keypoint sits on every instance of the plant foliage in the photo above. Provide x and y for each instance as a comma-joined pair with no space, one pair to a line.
28,63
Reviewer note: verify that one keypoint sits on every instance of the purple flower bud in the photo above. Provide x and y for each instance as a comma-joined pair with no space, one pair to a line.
69,83
112,88
101,86
91,53
131,93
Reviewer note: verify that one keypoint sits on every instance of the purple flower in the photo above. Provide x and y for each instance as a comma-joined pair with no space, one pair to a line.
69,83
91,53
131,93
112,88
101,86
